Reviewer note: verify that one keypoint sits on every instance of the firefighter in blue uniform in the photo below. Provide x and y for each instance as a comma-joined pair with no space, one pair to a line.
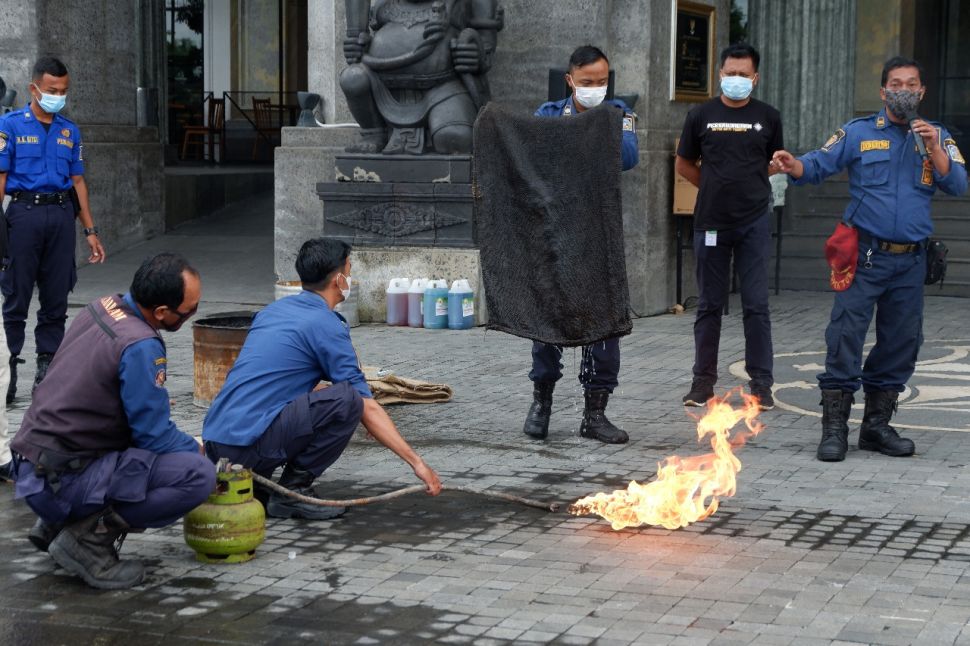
588,76
890,186
42,169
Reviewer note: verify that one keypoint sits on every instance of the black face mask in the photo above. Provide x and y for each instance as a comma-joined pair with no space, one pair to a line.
903,103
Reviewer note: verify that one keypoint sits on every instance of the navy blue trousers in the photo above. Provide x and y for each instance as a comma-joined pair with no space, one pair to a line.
893,287
598,370
310,433
750,246
144,488
41,251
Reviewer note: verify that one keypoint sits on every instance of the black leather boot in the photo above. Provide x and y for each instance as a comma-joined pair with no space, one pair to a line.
42,533
301,482
876,434
12,386
595,424
87,548
537,421
835,425
43,363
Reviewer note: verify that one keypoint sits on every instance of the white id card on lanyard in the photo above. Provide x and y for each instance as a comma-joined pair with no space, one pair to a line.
710,239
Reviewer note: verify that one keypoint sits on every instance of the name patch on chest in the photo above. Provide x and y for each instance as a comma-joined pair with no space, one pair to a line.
873,144
28,139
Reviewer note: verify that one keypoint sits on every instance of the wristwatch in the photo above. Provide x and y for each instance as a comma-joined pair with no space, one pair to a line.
90,231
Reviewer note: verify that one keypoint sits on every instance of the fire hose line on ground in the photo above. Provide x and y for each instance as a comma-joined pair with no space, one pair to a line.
391,495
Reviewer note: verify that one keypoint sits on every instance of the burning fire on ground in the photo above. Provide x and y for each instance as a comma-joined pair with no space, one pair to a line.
686,489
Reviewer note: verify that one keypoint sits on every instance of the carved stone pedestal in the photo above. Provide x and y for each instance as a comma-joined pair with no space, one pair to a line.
405,216
391,200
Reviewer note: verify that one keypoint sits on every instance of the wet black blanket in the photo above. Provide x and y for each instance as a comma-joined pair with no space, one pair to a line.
550,226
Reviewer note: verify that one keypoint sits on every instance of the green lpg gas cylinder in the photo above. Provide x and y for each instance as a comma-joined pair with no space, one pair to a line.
229,526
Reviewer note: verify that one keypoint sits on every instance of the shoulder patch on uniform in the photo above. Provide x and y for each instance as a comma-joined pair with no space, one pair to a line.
873,144
80,152
161,361
953,151
834,139
3,141
160,378
630,121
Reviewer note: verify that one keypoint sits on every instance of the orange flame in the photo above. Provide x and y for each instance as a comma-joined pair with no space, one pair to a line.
679,496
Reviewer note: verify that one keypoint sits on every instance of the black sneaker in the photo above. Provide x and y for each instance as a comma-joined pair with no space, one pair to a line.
763,393
699,393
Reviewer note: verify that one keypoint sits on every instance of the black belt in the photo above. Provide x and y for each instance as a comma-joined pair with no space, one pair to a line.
40,199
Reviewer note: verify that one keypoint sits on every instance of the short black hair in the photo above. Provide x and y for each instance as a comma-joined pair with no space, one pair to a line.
159,281
48,65
741,50
586,55
319,259
895,63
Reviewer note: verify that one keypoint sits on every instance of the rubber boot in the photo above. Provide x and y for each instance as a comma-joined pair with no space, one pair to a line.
43,533
301,482
537,421
595,424
12,386
835,425
43,363
876,434
87,548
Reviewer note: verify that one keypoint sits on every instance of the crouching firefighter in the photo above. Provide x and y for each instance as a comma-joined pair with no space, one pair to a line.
97,455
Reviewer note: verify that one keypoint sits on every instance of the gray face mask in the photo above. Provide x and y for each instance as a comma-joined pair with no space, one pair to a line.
903,103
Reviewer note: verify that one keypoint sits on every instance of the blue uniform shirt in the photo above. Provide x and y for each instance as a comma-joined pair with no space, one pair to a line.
145,398
36,159
630,151
889,184
292,345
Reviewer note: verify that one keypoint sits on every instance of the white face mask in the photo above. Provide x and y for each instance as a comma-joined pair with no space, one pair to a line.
346,292
590,97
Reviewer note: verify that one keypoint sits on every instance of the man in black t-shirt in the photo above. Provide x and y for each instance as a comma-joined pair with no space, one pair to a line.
734,136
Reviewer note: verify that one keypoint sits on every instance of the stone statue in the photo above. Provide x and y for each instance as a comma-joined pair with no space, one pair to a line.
417,72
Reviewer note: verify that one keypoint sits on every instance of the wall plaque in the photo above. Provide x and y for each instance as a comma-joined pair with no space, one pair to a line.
693,59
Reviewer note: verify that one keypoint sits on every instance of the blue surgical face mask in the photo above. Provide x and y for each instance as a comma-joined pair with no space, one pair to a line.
51,103
736,88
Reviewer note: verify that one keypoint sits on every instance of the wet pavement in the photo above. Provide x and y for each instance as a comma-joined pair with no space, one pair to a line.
873,550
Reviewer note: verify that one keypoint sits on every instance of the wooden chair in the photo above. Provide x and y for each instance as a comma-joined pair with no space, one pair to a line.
208,132
265,128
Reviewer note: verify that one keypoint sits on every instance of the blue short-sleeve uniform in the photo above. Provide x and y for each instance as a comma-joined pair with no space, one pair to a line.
630,151
890,188
293,344
39,164
38,159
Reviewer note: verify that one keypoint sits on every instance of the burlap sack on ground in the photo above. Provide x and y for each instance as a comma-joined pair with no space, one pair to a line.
550,226
391,389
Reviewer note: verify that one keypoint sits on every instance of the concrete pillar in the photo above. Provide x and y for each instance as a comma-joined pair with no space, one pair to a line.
327,28
807,65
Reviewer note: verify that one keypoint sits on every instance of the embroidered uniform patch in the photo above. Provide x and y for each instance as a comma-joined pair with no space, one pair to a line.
3,141
951,150
629,122
927,178
160,378
873,144
834,139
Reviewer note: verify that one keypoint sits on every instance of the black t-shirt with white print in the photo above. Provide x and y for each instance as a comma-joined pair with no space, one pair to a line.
734,146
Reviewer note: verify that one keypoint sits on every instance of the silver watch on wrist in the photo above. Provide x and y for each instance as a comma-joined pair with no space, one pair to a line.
90,231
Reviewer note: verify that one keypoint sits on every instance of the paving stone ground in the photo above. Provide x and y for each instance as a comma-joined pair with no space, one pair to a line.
873,550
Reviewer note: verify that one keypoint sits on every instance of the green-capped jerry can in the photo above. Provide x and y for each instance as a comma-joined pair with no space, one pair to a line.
230,525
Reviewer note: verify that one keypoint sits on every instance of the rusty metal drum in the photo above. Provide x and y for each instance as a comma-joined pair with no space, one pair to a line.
216,342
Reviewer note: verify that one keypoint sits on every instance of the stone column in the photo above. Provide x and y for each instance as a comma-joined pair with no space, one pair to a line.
807,64
326,29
